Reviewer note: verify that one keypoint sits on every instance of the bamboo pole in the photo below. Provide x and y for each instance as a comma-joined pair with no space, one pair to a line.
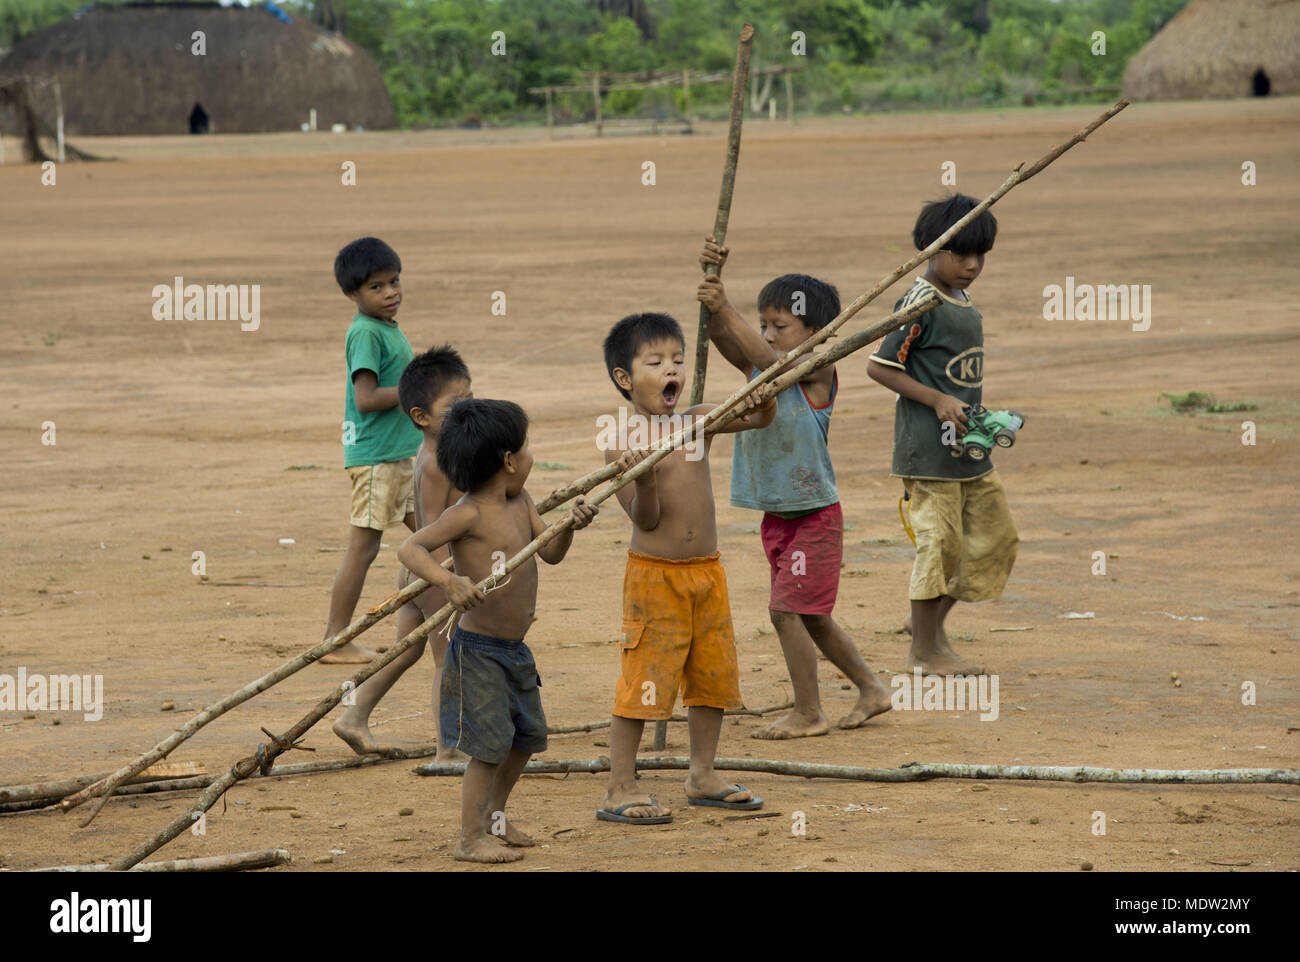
720,219
595,93
919,771
580,486
154,786
48,793
723,213
239,862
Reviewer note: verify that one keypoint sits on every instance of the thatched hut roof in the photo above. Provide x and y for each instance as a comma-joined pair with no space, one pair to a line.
130,70
1217,48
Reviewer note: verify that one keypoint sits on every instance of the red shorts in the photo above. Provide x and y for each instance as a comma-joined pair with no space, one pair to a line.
805,555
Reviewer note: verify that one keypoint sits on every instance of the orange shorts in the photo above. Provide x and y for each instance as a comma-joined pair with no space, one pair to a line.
676,635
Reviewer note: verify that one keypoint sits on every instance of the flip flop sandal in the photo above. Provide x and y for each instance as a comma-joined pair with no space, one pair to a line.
717,801
617,814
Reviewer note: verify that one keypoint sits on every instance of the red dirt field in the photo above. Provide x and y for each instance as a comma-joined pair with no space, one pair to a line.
183,436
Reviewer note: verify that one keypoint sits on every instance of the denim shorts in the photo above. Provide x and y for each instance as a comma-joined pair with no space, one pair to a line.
490,698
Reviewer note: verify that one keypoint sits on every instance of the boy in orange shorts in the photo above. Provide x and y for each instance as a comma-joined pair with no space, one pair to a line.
676,613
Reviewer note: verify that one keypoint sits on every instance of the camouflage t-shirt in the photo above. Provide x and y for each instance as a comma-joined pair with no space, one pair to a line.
942,349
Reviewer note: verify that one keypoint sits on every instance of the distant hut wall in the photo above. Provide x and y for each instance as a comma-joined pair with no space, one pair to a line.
131,71
1214,48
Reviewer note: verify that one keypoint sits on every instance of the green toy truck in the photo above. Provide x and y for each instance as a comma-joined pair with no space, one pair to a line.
984,429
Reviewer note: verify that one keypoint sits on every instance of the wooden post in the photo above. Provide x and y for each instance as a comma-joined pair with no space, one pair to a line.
58,119
789,96
595,93
686,97
550,115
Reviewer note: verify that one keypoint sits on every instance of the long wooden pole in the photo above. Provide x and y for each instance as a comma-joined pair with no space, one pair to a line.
720,219
723,213
239,862
921,771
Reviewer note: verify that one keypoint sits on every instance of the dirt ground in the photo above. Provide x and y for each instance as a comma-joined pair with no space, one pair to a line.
183,436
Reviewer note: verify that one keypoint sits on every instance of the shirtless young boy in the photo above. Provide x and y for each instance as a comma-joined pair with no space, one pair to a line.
491,707
676,613
429,385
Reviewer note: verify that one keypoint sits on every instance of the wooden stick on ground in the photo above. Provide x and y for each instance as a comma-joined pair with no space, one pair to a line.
280,771
920,771
239,862
48,793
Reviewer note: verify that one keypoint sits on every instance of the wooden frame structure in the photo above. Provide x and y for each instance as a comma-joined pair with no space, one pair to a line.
603,81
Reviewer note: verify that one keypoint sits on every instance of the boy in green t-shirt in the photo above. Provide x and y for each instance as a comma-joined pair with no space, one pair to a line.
965,538
379,440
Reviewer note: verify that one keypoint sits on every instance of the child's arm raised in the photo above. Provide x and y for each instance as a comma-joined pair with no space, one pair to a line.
742,346
946,407
553,551
641,498
416,553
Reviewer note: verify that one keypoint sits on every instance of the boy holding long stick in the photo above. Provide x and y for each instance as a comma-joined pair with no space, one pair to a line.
786,472
676,615
491,707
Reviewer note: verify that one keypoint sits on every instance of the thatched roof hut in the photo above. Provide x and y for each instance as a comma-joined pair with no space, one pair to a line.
132,70
1220,48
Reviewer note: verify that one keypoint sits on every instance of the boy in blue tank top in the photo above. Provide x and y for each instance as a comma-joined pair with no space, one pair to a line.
785,471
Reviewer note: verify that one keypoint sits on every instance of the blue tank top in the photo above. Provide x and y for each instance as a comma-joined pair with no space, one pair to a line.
786,467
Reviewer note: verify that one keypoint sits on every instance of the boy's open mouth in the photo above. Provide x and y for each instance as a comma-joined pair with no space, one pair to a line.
670,393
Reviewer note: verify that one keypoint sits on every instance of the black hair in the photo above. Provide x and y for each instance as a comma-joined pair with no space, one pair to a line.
360,259
819,305
938,215
428,375
476,436
626,337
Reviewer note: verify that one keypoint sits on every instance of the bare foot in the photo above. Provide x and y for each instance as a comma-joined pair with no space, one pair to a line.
712,787
515,837
940,635
795,725
636,808
484,848
943,663
872,701
357,736
350,654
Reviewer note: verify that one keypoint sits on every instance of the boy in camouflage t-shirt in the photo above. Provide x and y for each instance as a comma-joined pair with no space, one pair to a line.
965,538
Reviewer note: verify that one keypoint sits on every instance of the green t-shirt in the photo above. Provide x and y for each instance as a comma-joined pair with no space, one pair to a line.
942,349
377,436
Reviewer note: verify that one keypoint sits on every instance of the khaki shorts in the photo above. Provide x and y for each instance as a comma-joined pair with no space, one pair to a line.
965,539
382,494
